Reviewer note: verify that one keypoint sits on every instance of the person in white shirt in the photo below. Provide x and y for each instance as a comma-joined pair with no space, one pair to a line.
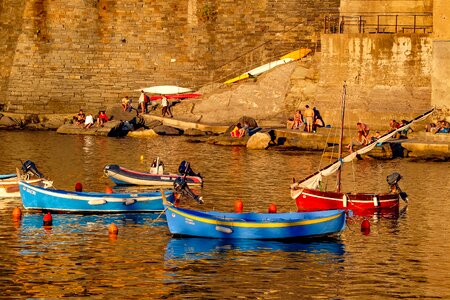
89,121
166,107
141,102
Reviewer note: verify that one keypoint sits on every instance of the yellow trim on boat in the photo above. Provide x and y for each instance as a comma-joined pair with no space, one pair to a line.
254,224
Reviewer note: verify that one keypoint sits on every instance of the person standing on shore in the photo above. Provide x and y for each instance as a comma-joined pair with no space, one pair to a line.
309,117
141,102
166,107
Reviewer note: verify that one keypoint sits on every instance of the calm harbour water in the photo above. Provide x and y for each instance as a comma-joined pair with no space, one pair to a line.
405,257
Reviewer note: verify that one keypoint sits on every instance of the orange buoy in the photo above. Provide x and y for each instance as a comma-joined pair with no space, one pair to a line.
238,206
17,214
48,220
272,208
112,229
78,187
108,189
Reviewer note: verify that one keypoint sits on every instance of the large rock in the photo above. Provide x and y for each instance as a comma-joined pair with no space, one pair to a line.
259,141
167,130
194,132
9,122
147,133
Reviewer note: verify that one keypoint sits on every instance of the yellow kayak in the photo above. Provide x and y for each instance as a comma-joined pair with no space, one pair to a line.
297,54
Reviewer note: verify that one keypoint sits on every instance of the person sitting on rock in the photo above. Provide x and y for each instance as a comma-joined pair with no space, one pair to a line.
89,121
298,120
236,130
126,104
79,118
443,127
244,130
102,118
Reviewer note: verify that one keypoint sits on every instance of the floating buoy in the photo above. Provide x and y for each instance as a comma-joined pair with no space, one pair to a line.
17,214
238,206
48,220
78,187
108,190
365,227
112,229
272,208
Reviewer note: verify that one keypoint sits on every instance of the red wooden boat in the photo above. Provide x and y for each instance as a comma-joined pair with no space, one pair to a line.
309,197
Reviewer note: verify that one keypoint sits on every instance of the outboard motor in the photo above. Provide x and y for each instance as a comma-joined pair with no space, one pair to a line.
185,169
29,167
393,180
181,187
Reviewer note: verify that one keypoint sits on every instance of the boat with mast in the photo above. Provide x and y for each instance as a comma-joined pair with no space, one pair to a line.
309,195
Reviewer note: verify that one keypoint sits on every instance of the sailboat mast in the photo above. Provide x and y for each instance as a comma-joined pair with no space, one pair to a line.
341,137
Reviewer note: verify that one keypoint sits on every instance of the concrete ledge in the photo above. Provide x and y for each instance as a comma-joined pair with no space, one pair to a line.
94,130
418,149
186,125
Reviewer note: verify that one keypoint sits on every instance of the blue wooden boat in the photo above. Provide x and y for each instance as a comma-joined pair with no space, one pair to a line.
38,198
261,226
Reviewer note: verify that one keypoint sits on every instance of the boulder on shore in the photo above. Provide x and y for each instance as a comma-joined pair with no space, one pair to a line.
259,141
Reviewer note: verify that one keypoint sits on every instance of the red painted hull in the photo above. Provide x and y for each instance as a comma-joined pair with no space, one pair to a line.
359,203
175,96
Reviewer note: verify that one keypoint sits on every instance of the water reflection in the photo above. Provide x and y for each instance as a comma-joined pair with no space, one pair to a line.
404,256
200,248
68,223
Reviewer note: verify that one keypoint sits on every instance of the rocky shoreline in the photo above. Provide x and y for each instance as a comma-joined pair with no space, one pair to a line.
420,145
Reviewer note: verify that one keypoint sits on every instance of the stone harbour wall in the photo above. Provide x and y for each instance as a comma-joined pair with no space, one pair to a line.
59,56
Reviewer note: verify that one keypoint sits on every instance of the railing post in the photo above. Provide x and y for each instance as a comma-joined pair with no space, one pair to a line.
360,24
415,23
378,23
396,23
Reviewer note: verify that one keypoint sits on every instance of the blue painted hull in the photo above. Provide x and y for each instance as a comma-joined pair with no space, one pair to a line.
38,198
254,225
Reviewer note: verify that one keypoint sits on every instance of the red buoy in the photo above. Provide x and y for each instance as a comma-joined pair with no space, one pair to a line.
78,187
108,190
365,227
112,229
272,208
238,206
48,220
17,214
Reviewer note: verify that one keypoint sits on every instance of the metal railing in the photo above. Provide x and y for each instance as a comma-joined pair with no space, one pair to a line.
379,23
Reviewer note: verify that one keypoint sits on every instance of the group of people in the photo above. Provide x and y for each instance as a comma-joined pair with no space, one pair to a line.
441,127
311,119
87,121
143,105
364,130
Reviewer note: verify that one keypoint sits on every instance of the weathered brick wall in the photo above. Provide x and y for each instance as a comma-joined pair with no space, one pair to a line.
441,56
60,55
387,76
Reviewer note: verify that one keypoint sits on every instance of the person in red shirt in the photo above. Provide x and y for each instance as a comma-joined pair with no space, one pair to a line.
102,118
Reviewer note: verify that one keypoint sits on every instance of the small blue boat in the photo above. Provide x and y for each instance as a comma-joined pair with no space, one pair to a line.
38,198
261,226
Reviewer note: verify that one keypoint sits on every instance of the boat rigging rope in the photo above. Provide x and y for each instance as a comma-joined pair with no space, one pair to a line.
159,216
